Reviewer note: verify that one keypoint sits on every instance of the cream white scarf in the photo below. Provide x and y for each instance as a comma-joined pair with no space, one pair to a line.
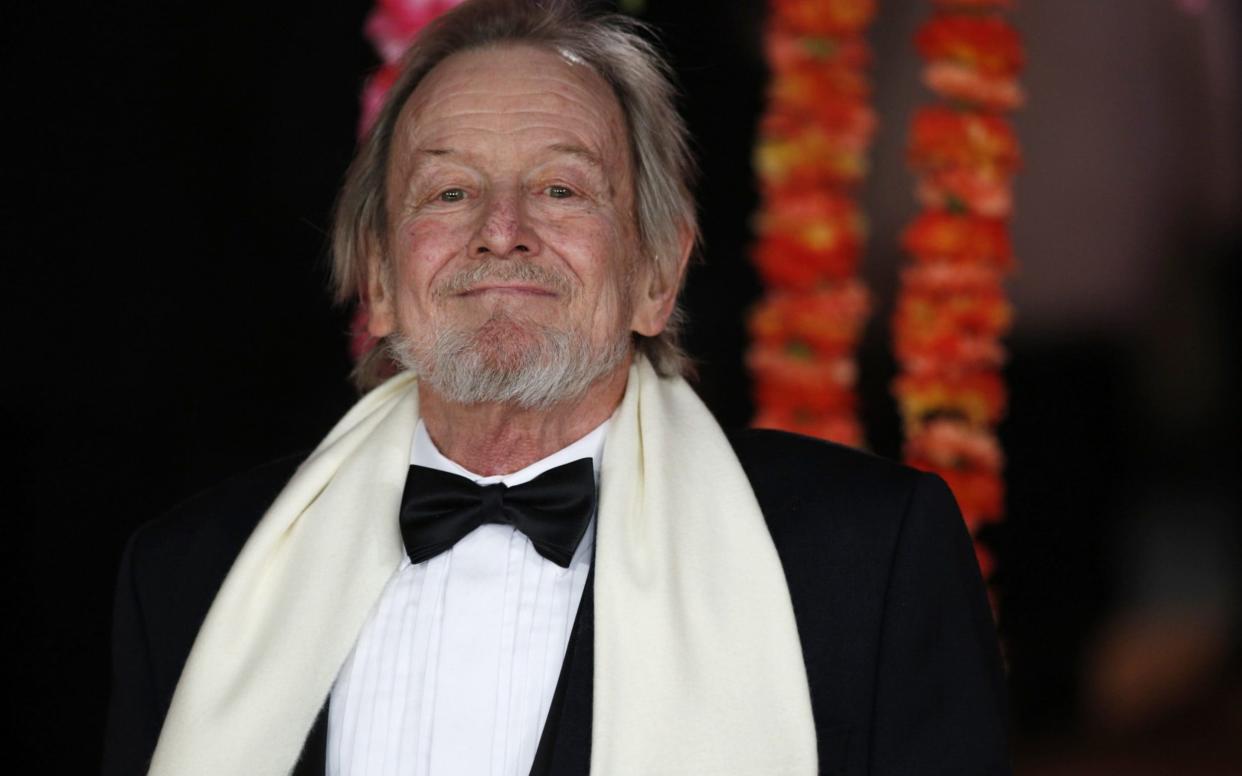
698,667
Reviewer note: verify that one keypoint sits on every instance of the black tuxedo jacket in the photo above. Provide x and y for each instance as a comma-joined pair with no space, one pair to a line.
898,640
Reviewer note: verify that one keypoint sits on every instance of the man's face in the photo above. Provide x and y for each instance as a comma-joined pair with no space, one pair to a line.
511,230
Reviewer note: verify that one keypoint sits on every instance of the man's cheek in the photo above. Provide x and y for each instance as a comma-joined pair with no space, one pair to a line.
424,256
434,240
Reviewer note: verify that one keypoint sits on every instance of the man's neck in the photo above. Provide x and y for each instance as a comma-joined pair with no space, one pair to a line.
490,439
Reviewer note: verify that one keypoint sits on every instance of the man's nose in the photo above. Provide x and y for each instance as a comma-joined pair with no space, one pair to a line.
505,229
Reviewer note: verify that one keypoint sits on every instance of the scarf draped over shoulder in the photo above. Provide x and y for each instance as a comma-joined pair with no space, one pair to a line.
698,667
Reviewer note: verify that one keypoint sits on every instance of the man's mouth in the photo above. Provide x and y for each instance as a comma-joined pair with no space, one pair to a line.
508,289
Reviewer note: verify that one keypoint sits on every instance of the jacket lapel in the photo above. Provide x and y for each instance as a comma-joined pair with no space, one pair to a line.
565,744
314,758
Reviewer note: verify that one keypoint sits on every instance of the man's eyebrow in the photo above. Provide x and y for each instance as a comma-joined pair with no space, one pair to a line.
424,157
437,152
568,149
585,154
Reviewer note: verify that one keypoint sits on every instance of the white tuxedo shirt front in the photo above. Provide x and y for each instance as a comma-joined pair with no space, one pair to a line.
454,671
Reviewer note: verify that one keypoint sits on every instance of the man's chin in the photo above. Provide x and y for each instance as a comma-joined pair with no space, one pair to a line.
504,343
506,359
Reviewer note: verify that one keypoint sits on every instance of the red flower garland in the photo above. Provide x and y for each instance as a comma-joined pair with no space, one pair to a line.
952,311
811,155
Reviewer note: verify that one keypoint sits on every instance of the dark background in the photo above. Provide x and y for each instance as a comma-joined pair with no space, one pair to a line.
168,325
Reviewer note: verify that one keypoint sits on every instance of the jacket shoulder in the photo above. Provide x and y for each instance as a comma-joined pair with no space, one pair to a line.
798,479
220,513
177,562
835,514
172,568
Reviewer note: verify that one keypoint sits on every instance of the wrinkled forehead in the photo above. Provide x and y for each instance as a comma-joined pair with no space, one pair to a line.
519,98
510,92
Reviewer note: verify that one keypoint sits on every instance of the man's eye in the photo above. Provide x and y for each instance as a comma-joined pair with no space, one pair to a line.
560,192
452,195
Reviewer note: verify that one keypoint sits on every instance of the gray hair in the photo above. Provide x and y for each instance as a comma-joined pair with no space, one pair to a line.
611,44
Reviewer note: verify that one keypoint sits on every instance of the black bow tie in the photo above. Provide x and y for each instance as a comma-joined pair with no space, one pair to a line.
553,510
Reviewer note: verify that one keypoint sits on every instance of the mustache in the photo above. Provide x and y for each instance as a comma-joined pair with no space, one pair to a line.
503,271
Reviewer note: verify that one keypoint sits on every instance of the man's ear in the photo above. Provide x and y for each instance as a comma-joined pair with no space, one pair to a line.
377,295
658,287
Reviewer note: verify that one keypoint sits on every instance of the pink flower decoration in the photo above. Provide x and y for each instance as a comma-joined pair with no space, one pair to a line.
393,24
391,28
360,340
373,94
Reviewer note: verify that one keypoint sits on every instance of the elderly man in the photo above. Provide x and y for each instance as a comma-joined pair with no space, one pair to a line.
533,550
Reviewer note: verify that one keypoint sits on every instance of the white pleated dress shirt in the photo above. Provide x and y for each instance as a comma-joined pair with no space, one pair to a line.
454,671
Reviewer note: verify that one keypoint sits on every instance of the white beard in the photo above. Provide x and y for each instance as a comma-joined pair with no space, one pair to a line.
542,367
509,359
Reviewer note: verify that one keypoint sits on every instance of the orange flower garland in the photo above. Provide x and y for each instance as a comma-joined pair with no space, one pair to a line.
810,156
952,310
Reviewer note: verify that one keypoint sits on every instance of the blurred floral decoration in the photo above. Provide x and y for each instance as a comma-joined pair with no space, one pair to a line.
810,158
391,27
951,310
